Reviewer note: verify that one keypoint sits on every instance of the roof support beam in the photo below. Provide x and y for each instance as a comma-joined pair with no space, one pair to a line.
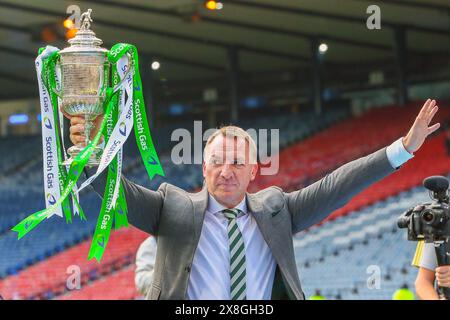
417,5
233,62
340,17
246,25
15,77
146,30
317,77
166,57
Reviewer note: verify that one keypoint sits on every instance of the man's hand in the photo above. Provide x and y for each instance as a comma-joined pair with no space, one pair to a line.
420,130
443,276
77,130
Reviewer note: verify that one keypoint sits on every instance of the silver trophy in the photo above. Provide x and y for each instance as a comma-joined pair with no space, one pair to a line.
84,70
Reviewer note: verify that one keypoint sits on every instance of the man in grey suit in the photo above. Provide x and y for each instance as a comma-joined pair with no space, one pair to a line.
226,243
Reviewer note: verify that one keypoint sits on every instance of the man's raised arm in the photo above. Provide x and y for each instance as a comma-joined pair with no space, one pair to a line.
144,205
314,203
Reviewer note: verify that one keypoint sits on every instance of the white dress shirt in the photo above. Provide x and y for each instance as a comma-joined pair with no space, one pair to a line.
397,154
210,272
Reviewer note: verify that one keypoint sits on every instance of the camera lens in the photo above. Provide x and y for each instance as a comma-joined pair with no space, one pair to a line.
427,216
403,222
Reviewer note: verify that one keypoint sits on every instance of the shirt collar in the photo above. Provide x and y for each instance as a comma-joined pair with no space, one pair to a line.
215,207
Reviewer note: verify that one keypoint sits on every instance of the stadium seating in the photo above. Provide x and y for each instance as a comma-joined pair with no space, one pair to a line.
301,164
51,274
370,239
102,289
37,248
17,151
313,158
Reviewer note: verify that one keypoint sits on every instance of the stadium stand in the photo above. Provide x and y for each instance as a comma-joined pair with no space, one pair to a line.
336,82
56,245
369,238
53,238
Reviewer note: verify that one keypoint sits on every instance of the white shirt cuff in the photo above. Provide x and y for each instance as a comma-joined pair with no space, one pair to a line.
397,154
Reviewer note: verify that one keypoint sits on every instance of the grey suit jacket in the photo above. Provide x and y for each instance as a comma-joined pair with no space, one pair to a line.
175,217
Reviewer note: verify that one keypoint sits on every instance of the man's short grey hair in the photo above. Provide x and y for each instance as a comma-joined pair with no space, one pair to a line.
235,132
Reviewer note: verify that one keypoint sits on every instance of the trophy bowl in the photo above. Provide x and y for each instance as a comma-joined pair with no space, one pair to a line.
84,70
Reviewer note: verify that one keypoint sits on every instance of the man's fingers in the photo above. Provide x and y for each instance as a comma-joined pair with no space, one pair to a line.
76,129
424,109
440,277
431,114
68,116
443,282
443,276
443,270
431,105
76,120
433,128
77,138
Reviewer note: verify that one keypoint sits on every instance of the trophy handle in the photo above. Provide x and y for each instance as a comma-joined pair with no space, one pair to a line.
131,64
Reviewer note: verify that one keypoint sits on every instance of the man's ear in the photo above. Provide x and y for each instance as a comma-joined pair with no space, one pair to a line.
254,171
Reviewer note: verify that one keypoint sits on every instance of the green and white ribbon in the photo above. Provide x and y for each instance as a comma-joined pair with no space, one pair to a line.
77,210
122,112
51,80
76,168
126,119
115,135
120,133
141,128
49,146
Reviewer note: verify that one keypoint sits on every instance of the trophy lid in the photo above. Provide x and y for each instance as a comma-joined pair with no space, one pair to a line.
85,39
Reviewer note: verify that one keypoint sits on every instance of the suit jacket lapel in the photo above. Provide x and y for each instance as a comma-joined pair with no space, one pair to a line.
200,203
263,219
256,208
254,205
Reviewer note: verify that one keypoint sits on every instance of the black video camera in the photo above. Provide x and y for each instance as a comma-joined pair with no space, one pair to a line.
431,221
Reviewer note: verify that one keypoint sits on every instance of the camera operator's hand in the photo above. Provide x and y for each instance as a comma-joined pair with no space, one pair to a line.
420,130
77,130
443,276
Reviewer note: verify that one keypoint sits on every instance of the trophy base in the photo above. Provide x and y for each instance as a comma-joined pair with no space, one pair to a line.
94,159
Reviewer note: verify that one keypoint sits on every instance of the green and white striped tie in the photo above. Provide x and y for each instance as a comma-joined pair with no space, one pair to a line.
237,256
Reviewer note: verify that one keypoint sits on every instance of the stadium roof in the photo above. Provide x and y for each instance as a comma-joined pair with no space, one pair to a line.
192,42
